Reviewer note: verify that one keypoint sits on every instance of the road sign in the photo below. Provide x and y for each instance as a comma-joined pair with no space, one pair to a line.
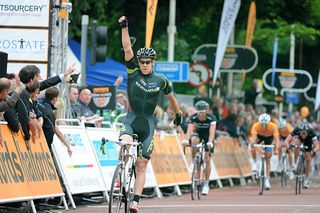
237,58
287,81
292,97
310,95
199,74
174,71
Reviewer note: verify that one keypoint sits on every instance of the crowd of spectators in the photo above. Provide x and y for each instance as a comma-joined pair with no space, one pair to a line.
21,107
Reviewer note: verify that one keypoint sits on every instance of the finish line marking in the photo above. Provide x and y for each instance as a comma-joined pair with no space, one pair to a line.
215,205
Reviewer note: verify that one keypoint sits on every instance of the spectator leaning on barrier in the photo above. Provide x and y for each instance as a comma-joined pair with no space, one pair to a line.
8,99
50,127
24,106
34,92
7,103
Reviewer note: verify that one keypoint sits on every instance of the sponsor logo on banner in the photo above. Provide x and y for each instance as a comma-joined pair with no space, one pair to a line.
24,44
103,97
81,171
25,172
33,13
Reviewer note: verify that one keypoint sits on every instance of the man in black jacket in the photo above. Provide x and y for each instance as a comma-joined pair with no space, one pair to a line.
28,75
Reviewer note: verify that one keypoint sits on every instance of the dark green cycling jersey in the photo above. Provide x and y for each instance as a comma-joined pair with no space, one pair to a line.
143,94
143,90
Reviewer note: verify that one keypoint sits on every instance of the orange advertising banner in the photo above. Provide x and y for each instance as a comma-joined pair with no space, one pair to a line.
225,159
39,166
242,158
25,173
168,162
151,15
13,180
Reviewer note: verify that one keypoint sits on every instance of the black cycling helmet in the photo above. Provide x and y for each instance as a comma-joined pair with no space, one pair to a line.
146,53
201,105
305,126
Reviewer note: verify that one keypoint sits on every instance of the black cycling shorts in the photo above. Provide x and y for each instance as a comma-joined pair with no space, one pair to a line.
144,128
202,138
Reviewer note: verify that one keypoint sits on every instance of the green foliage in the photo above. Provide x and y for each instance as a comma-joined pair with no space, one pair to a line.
198,22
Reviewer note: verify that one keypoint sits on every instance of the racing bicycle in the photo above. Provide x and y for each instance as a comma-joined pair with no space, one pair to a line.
300,167
262,172
121,194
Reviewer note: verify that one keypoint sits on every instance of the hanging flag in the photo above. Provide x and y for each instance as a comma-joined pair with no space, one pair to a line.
250,29
317,101
251,23
274,60
151,14
228,18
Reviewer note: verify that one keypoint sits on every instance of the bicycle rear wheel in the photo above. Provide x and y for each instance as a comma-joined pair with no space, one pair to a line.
194,180
117,192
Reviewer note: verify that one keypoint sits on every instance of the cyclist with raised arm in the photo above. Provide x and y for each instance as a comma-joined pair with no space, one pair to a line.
144,87
284,129
202,127
305,134
264,131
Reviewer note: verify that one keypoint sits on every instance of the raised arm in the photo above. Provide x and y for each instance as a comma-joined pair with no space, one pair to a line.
125,38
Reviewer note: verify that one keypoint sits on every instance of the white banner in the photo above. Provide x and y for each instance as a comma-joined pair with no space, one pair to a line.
108,157
229,15
31,13
317,101
24,44
16,67
81,170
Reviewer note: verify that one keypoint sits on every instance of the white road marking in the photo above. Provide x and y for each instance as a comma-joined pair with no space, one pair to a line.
216,205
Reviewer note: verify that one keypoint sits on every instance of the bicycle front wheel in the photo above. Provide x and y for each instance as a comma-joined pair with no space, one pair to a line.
200,177
116,196
299,173
261,178
129,194
284,172
194,180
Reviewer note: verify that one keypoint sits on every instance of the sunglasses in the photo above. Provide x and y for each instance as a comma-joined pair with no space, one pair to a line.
304,133
145,62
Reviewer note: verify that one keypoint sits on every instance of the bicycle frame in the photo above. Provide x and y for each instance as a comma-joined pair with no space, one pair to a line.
284,166
198,170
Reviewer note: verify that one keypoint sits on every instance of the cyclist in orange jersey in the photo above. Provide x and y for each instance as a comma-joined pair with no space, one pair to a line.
266,131
284,129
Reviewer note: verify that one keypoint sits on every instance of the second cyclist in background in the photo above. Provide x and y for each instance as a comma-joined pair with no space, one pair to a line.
267,131
284,129
202,127
305,134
